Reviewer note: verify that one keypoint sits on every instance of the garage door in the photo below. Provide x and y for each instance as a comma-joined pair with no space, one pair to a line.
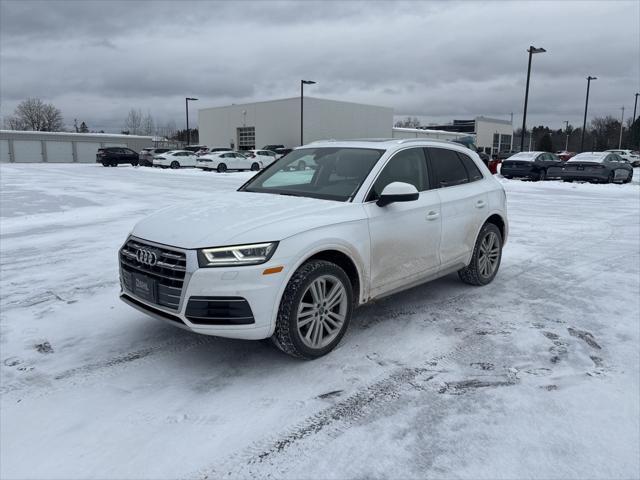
4,151
86,151
27,151
59,152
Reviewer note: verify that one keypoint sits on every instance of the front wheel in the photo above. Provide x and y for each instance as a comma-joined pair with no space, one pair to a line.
255,167
486,257
105,164
315,310
542,175
222,168
175,164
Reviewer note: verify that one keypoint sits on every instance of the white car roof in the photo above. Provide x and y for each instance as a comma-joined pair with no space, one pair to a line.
589,157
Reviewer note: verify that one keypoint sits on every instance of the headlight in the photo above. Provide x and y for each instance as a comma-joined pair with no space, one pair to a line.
252,254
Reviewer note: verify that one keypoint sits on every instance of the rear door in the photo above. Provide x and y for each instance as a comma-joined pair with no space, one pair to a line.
463,202
405,236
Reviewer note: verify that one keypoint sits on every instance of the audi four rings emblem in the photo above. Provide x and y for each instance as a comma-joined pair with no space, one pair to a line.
147,257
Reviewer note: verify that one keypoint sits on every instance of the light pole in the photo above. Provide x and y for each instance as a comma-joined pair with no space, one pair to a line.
531,51
621,123
566,131
635,104
186,104
302,84
586,104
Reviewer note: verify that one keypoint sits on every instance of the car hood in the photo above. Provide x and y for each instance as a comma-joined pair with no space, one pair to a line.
235,218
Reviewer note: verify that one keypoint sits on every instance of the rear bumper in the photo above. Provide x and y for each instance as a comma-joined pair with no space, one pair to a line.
518,172
579,175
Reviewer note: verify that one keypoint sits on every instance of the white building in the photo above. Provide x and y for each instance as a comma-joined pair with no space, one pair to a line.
62,147
277,122
492,134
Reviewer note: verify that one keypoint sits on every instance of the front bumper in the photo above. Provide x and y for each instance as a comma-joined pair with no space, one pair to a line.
244,288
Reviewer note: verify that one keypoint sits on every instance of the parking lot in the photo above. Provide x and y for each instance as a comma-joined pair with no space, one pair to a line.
534,375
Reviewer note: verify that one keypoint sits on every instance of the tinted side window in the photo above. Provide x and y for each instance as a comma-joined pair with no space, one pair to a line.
408,166
448,169
472,169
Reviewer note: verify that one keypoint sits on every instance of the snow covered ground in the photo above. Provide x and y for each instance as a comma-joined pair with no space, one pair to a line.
535,375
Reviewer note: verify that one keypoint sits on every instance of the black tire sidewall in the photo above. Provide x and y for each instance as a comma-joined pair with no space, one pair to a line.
222,168
175,164
326,268
256,165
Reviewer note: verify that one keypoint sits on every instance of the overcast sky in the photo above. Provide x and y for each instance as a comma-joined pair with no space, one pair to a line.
95,60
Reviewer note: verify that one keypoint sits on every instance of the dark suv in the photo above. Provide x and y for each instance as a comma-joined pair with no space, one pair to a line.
114,156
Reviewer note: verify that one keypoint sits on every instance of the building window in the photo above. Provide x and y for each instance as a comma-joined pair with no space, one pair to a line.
496,142
246,138
505,143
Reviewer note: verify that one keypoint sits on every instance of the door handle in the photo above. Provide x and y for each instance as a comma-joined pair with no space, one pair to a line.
432,215
480,204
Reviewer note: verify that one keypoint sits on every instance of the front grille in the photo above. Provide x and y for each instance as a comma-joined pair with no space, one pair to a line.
168,271
219,311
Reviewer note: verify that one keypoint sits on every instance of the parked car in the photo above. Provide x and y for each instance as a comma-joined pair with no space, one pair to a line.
194,148
223,161
281,152
631,156
497,158
114,156
146,155
531,165
272,148
175,159
267,156
565,155
603,167
291,253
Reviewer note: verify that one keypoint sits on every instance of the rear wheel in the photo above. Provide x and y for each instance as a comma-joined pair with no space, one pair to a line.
255,167
175,164
315,310
222,168
105,163
485,260
542,175
113,163
134,163
630,177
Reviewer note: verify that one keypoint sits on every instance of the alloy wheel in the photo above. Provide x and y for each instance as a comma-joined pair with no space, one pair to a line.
322,311
489,254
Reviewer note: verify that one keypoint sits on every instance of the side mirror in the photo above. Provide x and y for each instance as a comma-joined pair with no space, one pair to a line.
397,192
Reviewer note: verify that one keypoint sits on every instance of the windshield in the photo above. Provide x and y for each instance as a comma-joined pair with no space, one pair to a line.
588,157
327,173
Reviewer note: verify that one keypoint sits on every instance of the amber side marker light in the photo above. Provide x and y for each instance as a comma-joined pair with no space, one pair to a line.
271,270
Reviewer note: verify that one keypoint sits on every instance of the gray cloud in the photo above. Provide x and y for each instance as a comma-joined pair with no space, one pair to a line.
438,60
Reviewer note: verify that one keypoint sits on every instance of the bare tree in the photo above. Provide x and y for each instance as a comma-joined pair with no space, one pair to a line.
148,125
133,122
34,114
409,122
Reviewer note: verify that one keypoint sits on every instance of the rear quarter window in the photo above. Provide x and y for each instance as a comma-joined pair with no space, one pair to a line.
473,171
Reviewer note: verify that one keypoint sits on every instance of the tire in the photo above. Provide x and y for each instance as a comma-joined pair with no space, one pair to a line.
568,180
105,163
301,165
222,168
175,164
291,332
508,177
255,167
478,272
629,178
113,163
542,176
134,164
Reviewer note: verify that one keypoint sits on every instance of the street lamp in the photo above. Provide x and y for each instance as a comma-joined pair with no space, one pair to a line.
531,51
566,131
586,104
186,104
302,84
635,104
621,124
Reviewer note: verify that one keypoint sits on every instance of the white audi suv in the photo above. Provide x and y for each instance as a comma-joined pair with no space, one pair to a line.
291,253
